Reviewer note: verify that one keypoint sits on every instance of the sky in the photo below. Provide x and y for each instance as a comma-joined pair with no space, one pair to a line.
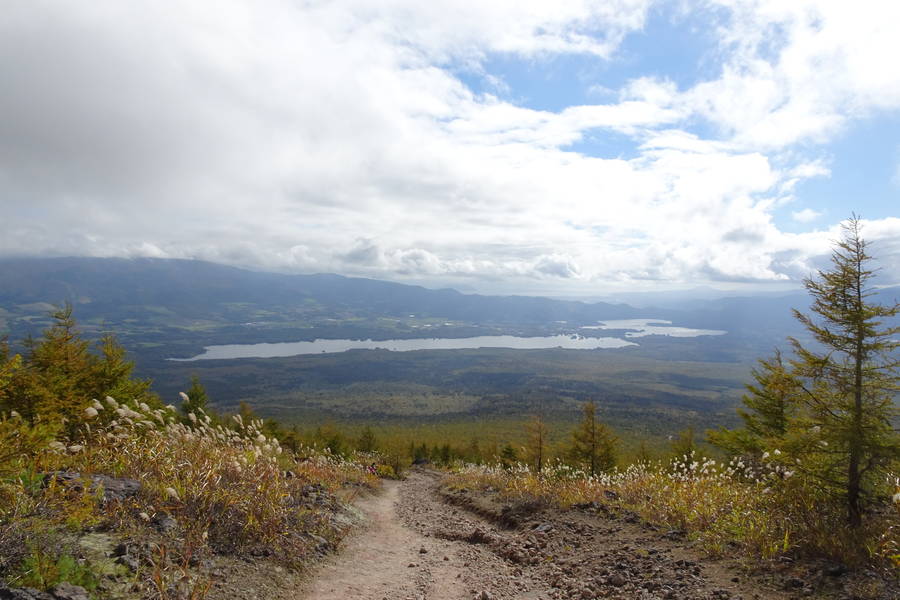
559,148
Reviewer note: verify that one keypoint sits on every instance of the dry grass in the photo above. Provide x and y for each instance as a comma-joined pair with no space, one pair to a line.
761,511
231,490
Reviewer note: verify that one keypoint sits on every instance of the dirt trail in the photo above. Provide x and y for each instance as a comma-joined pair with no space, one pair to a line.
386,559
421,544
376,563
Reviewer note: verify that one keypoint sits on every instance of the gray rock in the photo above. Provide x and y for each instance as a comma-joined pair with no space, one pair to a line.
128,561
8,593
114,488
166,524
67,591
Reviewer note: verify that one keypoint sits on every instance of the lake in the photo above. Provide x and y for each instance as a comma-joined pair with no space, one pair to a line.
330,346
644,327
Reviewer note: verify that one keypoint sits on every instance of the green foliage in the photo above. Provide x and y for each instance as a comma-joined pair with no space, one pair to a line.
367,441
684,446
43,570
508,456
20,440
331,438
59,376
196,398
771,407
593,444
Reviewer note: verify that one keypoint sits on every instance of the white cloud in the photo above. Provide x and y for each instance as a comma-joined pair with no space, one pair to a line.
806,215
336,137
799,70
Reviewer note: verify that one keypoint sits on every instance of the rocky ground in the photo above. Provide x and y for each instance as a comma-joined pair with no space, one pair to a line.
425,542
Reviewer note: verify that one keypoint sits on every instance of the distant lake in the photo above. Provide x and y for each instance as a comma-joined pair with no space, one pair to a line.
633,328
644,327
576,342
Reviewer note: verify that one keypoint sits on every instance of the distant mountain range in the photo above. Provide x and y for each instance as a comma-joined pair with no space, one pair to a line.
175,292
192,288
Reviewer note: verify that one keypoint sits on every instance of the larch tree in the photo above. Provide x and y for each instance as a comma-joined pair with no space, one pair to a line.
58,375
536,443
770,406
367,441
593,444
848,378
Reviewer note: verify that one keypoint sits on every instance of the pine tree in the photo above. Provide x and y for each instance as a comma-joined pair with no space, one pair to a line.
536,447
197,398
848,381
508,456
593,444
367,441
771,405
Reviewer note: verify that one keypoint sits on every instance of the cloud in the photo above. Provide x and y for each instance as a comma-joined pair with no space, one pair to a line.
340,137
807,215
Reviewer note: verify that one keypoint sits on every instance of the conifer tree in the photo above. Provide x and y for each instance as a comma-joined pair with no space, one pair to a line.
684,448
58,375
508,456
197,398
367,441
849,379
9,365
536,447
113,375
593,444
770,407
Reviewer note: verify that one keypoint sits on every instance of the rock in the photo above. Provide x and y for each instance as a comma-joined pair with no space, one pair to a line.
423,550
479,536
616,580
128,561
166,524
114,488
67,591
8,593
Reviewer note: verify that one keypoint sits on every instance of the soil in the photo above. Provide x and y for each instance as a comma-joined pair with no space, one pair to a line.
424,542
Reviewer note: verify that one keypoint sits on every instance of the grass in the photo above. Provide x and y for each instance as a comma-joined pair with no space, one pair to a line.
757,511
230,490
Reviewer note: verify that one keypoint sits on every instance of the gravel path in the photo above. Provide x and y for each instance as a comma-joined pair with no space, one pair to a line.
424,544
